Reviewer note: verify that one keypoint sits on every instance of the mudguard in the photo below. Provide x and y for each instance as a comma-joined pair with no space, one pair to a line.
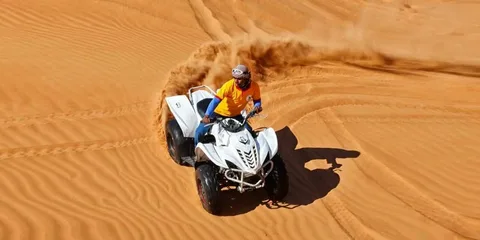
183,112
209,151
267,140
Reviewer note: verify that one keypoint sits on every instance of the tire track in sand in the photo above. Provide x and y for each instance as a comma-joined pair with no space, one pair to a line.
70,116
400,188
72,147
334,100
347,221
207,21
244,22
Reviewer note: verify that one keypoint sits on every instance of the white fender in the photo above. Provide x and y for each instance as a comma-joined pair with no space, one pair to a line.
209,151
262,148
183,112
269,137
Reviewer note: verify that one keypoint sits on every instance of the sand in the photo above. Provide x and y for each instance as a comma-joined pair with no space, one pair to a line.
376,106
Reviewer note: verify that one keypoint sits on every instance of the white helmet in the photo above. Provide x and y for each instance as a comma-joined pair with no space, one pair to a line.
242,72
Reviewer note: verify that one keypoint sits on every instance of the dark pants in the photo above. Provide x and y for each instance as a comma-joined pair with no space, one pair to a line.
202,129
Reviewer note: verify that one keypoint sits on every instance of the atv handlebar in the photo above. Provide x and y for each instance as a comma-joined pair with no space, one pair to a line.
249,115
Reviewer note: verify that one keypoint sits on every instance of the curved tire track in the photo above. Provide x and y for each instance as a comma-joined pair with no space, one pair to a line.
85,115
400,188
335,100
244,22
207,21
71,148
347,221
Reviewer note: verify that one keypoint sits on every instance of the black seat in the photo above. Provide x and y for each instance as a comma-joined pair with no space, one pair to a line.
202,106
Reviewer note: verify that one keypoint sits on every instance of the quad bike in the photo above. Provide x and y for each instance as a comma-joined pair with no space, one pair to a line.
227,155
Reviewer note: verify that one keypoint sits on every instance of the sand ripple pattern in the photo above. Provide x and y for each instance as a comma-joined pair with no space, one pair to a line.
380,141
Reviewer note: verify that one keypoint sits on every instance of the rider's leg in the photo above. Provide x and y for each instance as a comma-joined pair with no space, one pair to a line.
200,131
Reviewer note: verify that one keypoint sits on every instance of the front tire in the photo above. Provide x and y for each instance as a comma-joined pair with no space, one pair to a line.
208,187
277,183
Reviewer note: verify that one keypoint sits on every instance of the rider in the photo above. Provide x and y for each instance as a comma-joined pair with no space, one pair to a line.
231,99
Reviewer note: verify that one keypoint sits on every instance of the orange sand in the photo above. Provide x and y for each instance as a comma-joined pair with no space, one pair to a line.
387,90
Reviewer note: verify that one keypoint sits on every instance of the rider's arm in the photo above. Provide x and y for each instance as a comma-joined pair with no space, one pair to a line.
217,99
213,104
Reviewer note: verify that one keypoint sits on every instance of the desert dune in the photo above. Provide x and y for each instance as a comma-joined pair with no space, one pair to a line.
376,106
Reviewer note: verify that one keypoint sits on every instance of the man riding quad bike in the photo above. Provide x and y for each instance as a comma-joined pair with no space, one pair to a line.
231,99
210,132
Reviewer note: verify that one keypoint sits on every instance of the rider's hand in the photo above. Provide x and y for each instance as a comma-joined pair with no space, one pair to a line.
258,109
206,119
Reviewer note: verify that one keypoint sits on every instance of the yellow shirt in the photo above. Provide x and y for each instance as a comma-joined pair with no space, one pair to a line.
233,99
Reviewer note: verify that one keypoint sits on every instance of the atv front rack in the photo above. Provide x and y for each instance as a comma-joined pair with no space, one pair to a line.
259,184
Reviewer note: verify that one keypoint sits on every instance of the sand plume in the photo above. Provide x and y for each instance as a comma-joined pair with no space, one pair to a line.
271,57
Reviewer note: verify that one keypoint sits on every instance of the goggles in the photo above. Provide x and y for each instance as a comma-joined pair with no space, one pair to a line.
238,72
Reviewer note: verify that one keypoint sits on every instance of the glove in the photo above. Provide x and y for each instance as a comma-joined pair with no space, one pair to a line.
258,109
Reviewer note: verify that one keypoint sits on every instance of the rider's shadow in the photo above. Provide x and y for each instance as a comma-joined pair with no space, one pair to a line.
306,185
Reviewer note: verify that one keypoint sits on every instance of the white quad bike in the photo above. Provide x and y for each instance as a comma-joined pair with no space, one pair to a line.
227,155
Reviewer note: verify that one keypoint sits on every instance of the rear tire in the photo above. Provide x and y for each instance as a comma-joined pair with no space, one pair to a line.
208,187
175,141
277,183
